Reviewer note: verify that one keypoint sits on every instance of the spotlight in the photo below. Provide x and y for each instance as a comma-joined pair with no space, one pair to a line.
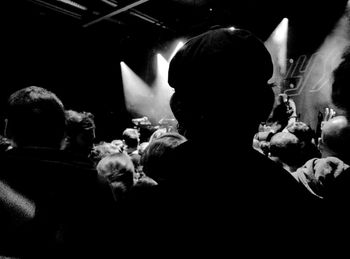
281,31
177,48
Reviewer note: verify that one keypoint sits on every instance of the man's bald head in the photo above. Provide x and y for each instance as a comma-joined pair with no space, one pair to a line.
335,138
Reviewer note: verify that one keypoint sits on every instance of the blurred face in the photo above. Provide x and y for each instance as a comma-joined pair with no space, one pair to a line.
86,139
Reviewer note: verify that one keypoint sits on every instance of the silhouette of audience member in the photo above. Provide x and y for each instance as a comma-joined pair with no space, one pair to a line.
80,132
212,188
317,174
292,110
69,197
307,139
120,172
153,162
131,138
335,138
286,149
337,190
283,112
102,150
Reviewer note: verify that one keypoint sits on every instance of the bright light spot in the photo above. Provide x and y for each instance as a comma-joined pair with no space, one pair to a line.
161,89
280,34
177,48
75,4
231,28
277,46
162,67
137,94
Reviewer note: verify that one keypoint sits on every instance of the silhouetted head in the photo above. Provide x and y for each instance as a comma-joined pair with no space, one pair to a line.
335,138
80,131
119,170
220,75
131,137
287,148
301,130
307,139
35,117
154,160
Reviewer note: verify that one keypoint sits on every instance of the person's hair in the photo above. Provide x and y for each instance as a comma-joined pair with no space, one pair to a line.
307,137
80,130
211,66
102,150
341,82
35,117
303,131
131,137
78,122
119,170
153,158
156,134
287,147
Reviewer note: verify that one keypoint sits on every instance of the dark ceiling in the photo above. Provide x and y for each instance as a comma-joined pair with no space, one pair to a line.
154,20
75,46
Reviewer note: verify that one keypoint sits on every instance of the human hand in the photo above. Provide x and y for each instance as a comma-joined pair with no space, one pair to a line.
329,114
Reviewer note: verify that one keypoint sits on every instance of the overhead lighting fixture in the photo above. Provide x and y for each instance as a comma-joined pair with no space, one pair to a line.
179,45
110,3
74,4
57,8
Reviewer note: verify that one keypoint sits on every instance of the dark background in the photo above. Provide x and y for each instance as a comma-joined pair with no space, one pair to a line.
47,43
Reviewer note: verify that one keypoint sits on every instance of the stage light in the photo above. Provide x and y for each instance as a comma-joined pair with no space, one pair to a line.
179,45
75,4
162,68
280,34
313,90
277,46
161,90
137,94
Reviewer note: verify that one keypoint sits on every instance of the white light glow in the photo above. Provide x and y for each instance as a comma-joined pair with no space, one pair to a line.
177,48
280,34
137,94
72,3
162,68
161,89
277,46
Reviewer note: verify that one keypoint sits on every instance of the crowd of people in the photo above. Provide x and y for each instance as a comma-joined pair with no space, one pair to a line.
197,190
